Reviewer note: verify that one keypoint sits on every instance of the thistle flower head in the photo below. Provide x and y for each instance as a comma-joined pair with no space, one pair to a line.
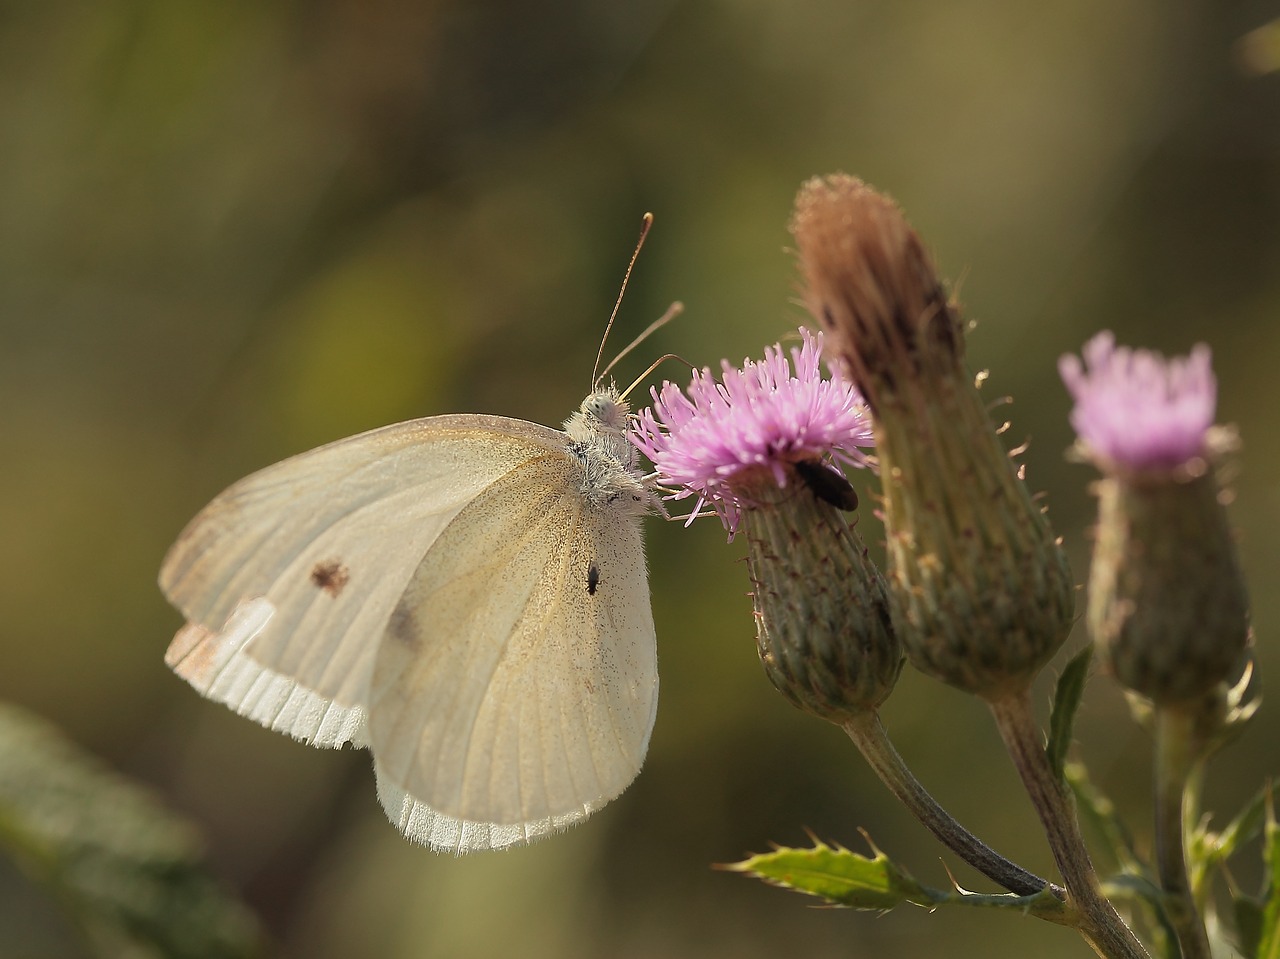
1167,602
981,593
1137,410
755,447
709,440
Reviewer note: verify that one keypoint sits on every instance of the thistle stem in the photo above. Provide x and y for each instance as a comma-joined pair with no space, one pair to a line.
1175,759
1100,924
871,738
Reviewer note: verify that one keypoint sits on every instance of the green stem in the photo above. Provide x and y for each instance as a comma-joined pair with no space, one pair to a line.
869,735
1199,872
1175,760
1100,924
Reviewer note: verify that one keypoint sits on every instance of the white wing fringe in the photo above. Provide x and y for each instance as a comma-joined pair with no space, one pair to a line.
422,824
218,666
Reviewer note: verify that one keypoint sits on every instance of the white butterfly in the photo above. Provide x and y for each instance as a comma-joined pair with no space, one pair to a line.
465,596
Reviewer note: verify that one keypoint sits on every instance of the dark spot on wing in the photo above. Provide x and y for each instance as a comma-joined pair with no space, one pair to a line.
593,578
828,484
403,626
331,576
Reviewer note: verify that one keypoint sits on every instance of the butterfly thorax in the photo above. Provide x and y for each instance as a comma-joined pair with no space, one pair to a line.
598,438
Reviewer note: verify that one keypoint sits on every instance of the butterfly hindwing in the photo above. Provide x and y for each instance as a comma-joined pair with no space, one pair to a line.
515,690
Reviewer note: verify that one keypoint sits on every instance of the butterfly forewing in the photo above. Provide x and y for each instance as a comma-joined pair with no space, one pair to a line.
515,687
288,578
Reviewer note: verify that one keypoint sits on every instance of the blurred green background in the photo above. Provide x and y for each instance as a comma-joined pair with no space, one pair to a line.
232,231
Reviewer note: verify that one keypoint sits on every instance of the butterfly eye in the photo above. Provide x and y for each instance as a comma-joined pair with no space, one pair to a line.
604,408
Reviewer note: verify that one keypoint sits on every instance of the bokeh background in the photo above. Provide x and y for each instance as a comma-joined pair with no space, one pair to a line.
231,231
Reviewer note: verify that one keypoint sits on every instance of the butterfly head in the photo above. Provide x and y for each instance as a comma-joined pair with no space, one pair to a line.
603,416
598,438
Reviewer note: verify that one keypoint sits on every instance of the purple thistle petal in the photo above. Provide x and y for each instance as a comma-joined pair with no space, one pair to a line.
1137,409
759,417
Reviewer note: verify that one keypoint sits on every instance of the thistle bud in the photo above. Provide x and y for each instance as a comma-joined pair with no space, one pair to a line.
979,585
1167,602
759,448
823,627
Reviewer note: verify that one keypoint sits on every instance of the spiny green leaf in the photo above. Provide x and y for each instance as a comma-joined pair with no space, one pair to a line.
1100,812
845,878
130,872
1207,850
1141,890
1248,924
1269,940
836,874
1244,827
1066,700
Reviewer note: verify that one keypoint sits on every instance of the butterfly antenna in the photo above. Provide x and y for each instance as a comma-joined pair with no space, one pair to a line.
646,223
674,310
653,366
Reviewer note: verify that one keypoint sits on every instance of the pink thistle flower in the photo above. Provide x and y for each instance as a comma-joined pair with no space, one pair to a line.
1168,607
1138,410
763,417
